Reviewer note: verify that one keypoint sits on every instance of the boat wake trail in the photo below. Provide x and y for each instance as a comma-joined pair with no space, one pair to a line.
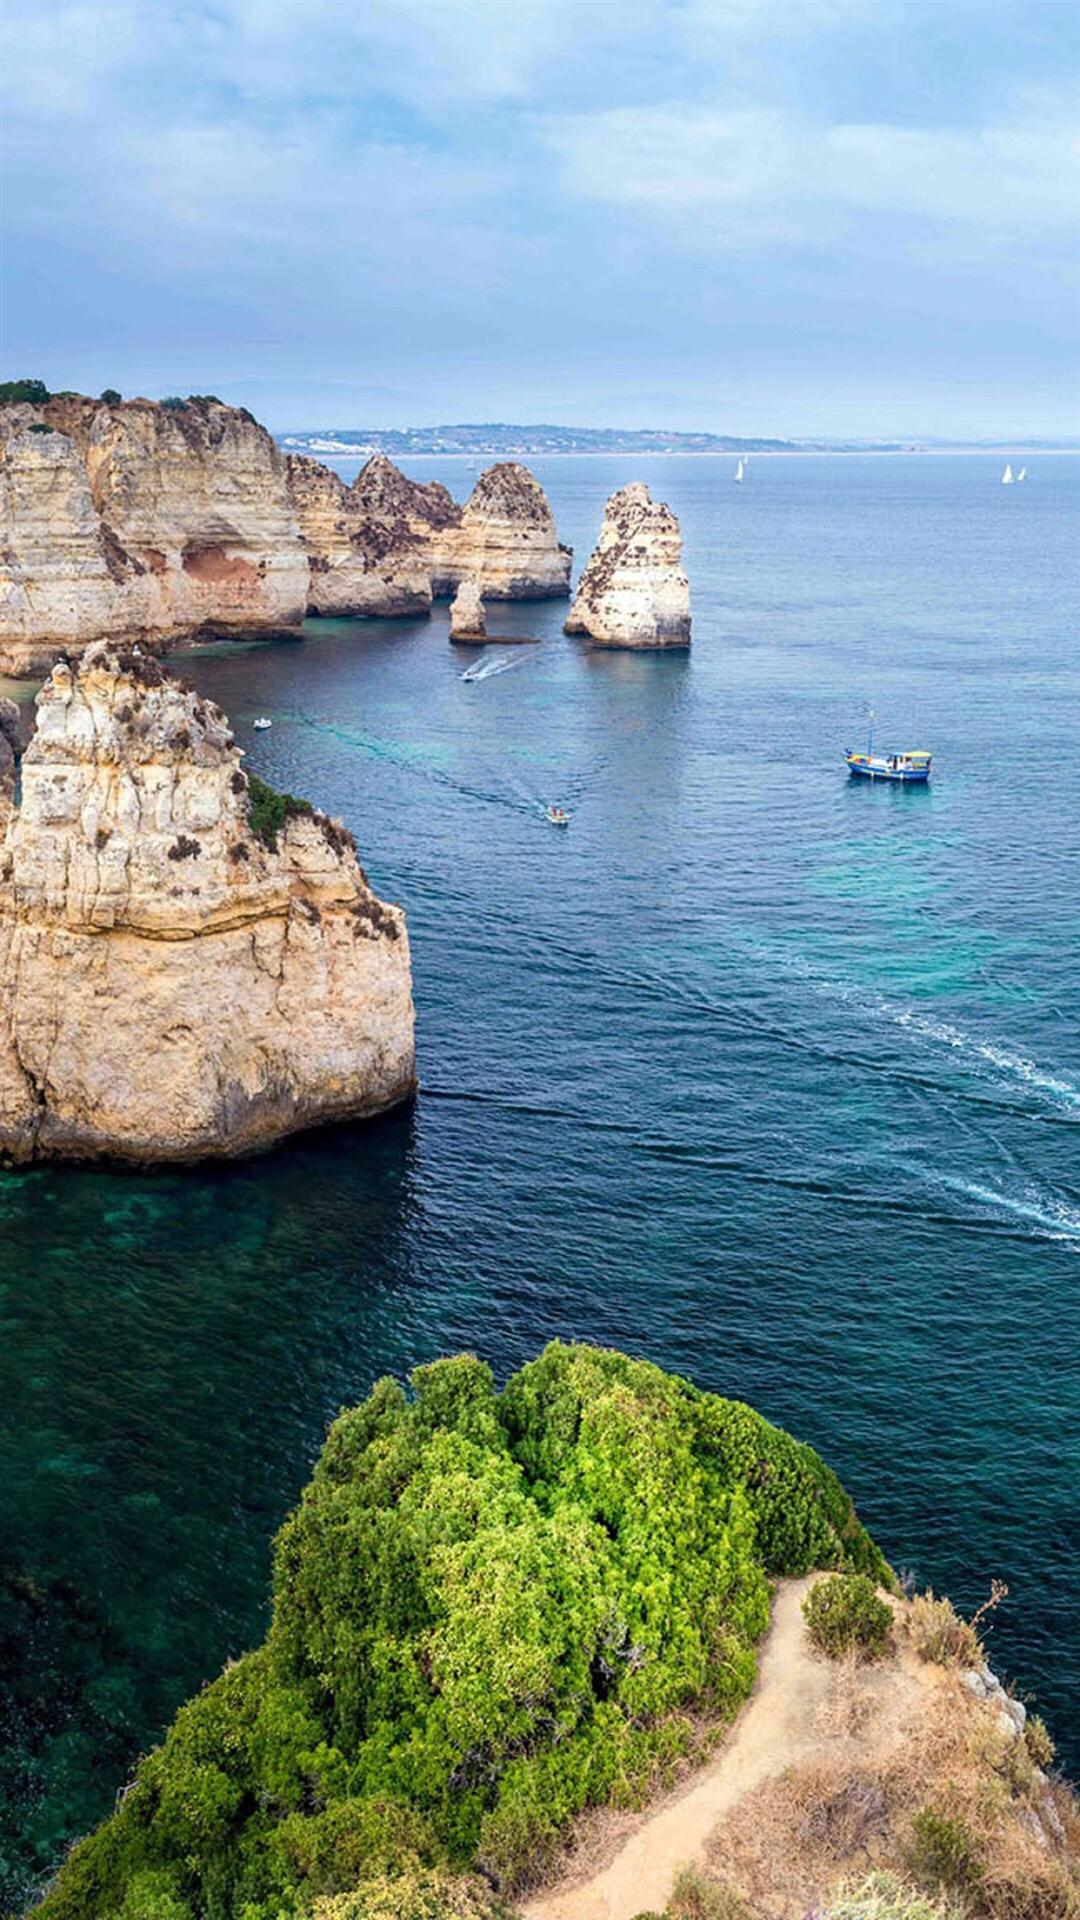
410,761
1055,1218
488,669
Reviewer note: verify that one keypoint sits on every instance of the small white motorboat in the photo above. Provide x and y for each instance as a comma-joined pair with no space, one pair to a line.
262,723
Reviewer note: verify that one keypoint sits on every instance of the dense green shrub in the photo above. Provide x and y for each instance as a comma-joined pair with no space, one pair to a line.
41,426
269,810
34,391
111,397
490,1611
845,1614
944,1854
173,403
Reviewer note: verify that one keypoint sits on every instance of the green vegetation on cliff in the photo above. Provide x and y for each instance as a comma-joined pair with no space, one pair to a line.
490,1611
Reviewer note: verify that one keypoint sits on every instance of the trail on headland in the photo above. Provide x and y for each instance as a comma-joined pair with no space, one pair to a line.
776,1730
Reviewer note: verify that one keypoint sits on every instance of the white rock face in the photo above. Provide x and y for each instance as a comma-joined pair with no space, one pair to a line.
172,984
362,561
633,592
138,521
467,620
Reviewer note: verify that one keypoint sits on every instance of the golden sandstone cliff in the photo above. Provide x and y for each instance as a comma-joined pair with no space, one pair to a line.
140,520
190,964
161,522
633,591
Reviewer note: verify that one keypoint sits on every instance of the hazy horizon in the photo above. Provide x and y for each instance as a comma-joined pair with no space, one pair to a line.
785,218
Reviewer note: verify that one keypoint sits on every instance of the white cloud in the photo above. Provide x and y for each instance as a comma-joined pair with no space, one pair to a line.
763,170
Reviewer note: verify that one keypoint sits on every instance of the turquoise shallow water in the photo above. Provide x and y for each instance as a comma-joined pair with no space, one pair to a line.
772,1077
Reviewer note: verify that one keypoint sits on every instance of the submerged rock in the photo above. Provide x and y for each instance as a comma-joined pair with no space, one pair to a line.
633,592
467,621
142,521
190,964
362,561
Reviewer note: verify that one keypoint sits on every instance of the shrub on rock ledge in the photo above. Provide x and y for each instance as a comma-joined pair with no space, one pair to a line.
846,1615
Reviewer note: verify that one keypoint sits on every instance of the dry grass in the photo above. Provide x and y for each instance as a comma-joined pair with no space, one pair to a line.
937,1632
829,1825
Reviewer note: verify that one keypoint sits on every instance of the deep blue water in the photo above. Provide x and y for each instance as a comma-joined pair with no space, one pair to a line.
770,1076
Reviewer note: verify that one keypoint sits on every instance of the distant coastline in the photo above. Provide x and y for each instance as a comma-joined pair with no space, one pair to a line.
506,442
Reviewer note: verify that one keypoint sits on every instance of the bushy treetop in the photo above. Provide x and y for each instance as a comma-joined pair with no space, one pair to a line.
490,1610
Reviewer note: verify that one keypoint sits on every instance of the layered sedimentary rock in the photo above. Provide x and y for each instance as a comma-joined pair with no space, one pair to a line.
190,964
633,592
157,523
504,537
141,521
467,620
363,557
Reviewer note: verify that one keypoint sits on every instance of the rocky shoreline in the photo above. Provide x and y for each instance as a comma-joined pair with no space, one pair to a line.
162,522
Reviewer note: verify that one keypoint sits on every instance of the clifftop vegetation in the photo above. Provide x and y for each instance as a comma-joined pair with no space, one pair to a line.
490,1611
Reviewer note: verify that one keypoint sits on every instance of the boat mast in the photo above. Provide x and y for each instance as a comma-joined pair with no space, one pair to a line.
870,716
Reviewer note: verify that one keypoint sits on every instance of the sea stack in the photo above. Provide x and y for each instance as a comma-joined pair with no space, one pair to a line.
506,540
190,963
467,621
633,592
141,521
363,561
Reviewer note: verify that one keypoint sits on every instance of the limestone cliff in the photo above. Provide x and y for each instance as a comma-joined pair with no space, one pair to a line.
504,537
189,964
633,592
140,521
364,557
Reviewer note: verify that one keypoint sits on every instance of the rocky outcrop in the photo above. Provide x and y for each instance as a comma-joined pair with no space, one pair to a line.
159,523
504,537
190,964
467,621
633,592
364,558
141,521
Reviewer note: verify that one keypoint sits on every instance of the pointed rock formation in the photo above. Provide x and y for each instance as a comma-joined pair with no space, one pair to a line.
504,537
633,592
140,521
467,621
190,963
507,540
363,560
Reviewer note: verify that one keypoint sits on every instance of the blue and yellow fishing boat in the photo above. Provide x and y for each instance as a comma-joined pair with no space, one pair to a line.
909,767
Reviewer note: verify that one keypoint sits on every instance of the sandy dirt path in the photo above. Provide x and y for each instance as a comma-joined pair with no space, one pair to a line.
775,1730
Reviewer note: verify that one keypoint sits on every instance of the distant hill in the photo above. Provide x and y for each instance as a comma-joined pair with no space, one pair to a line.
512,442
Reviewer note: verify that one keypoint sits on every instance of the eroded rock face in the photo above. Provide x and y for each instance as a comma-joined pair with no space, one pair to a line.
504,537
467,621
364,557
633,592
141,521
172,986
507,541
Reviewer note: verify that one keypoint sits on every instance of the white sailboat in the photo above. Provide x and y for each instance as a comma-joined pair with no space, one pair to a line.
740,471
1022,475
1007,476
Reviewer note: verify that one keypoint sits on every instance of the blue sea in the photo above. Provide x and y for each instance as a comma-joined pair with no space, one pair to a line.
768,1075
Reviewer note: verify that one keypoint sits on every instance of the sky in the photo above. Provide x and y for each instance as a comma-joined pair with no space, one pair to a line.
783,217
